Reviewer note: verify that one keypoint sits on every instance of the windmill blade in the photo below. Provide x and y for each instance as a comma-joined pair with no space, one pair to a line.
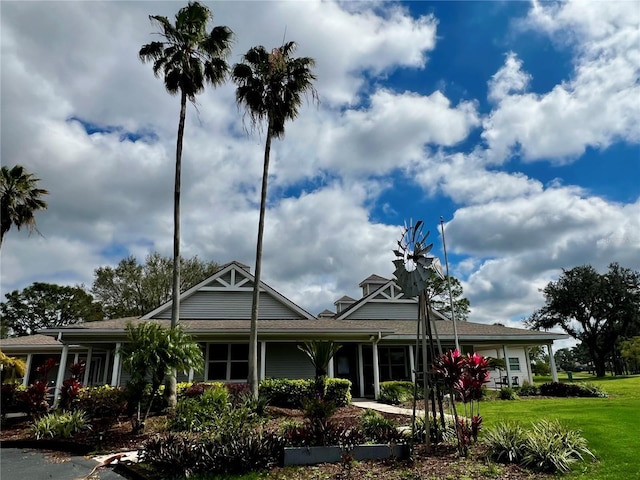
437,267
423,249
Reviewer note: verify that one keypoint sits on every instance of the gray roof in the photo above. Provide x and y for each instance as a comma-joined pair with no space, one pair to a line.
373,279
36,339
324,327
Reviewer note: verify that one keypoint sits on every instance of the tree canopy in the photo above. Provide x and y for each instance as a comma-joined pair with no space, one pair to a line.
595,308
46,305
20,198
438,294
131,289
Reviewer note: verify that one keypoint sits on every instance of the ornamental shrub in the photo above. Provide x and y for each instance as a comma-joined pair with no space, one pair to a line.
104,401
10,398
559,389
507,393
506,442
180,454
548,446
396,392
61,424
338,391
528,390
553,447
380,429
287,393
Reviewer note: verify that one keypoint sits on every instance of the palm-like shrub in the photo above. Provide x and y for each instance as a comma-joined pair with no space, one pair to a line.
150,353
320,354
506,442
553,447
60,424
548,446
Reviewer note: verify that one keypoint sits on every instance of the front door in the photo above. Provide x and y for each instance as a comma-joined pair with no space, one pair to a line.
345,365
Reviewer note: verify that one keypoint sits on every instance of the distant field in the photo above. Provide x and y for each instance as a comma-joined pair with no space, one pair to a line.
611,425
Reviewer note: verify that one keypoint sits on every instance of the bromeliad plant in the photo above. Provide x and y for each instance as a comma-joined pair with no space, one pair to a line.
464,375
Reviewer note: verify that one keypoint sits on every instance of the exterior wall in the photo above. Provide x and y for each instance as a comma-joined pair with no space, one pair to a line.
229,306
284,360
514,352
385,311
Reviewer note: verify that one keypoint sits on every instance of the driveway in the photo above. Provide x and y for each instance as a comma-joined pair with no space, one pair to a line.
25,464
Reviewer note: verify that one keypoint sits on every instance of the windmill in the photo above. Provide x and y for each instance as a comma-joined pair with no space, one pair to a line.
414,269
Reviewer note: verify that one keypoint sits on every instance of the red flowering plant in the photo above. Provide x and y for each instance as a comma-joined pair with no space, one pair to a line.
35,397
464,375
71,386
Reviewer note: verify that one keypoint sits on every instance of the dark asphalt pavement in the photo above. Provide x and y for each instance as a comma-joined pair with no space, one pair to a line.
26,464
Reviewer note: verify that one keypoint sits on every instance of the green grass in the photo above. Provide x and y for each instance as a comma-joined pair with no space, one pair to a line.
611,425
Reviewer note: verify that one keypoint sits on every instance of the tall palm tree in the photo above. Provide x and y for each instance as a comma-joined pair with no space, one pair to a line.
186,58
271,86
20,199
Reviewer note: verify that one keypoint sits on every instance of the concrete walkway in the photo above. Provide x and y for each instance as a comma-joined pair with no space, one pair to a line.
383,407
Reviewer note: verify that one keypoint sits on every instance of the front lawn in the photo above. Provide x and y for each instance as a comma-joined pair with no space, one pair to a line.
611,425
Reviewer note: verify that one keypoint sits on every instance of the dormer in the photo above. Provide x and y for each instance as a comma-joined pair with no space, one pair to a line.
326,313
371,284
343,303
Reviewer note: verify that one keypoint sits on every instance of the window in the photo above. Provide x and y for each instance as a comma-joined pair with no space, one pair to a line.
393,363
228,361
514,364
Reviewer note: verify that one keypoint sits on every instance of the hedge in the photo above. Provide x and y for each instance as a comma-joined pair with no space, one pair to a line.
287,393
397,392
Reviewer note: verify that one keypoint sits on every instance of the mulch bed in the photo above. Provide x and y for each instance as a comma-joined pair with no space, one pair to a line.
441,463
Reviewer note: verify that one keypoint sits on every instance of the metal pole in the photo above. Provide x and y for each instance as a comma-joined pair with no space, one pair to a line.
446,262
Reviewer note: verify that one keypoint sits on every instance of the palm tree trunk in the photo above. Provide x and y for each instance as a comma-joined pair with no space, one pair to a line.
171,385
253,334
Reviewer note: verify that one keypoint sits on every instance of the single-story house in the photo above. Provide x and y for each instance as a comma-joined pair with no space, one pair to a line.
377,333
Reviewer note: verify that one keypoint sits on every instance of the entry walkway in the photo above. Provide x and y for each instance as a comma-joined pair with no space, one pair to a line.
383,407
394,409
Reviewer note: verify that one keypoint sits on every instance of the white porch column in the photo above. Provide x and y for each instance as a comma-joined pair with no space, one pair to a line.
527,350
61,368
330,368
506,361
190,379
25,379
76,357
87,367
552,364
115,374
412,364
107,358
376,371
360,370
263,360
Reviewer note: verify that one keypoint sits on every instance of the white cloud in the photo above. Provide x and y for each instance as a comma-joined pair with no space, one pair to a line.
110,196
509,79
597,106
465,179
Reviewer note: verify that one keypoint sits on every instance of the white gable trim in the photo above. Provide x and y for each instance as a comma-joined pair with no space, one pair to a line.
240,280
390,292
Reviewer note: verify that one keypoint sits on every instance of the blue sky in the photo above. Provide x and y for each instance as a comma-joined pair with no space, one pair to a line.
517,122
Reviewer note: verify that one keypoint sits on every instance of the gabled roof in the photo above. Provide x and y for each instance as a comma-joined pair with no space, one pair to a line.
232,277
373,279
344,299
36,339
389,293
